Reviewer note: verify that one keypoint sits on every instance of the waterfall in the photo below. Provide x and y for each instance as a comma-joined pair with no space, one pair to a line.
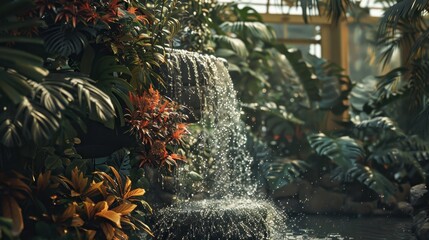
232,210
202,83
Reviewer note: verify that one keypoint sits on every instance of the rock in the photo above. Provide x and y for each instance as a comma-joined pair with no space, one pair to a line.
423,232
403,209
403,193
287,191
200,196
213,219
418,220
323,201
305,190
419,195
167,198
169,184
327,182
289,205
359,208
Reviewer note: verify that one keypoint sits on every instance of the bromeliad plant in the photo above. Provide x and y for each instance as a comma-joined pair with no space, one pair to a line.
377,154
158,124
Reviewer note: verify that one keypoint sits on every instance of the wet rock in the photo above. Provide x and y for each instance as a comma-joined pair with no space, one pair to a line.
323,201
418,220
169,184
290,205
305,190
403,209
419,196
403,193
200,196
327,182
213,219
423,232
359,208
287,191
167,198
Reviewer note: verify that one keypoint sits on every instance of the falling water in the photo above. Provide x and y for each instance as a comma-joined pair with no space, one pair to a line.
232,210
207,78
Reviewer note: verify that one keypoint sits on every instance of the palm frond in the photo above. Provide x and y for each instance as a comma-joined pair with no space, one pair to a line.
337,9
343,151
403,10
398,35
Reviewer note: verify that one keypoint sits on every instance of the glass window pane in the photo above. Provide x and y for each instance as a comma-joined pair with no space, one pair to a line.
362,59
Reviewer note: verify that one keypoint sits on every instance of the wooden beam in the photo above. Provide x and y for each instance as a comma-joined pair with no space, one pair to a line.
318,20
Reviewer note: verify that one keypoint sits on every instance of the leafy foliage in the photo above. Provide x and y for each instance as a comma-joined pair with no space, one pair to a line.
376,154
156,122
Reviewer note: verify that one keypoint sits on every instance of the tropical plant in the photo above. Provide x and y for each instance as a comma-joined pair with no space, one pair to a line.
375,153
157,123
279,88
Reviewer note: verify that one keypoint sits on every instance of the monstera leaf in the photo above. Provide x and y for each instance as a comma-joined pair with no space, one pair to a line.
109,77
236,44
343,151
372,179
378,129
395,158
283,171
65,40
256,30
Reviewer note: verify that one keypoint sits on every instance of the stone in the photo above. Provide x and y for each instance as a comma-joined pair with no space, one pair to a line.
213,219
327,182
403,209
169,184
359,208
289,205
419,195
403,193
419,219
323,201
287,191
423,232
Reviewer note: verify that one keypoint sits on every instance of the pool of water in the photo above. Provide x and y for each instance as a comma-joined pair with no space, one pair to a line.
336,227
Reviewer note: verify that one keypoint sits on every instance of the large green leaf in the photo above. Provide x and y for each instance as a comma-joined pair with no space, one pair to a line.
372,179
343,151
283,171
395,158
235,44
91,99
65,40
109,76
256,30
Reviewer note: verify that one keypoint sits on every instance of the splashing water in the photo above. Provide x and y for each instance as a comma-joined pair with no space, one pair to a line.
207,78
202,83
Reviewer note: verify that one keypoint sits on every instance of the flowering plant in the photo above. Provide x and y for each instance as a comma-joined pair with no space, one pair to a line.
158,124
